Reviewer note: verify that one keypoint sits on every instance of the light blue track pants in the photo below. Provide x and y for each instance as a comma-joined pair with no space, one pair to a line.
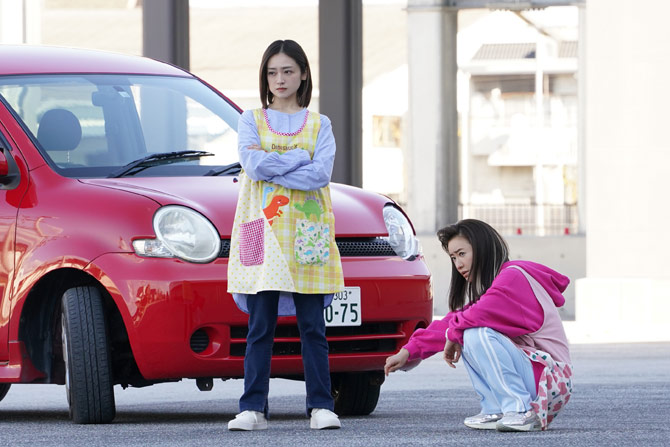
500,372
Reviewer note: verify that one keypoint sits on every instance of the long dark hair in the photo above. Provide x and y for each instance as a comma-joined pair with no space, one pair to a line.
293,50
489,253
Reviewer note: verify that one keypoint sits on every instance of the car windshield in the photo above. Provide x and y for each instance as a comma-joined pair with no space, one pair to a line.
94,125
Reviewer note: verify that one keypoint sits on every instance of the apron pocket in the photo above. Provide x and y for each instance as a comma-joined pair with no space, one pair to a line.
252,242
312,242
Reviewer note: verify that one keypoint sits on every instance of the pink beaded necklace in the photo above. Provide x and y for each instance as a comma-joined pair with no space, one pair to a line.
285,134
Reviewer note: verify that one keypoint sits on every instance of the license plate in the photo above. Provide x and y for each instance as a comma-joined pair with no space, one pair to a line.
345,310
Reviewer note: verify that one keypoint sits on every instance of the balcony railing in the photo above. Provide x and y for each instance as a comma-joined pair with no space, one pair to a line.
525,219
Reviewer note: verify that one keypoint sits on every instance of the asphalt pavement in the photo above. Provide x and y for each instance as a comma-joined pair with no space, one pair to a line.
620,398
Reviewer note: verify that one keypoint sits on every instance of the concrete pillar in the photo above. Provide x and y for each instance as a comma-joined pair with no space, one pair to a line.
581,122
434,179
341,83
624,297
166,31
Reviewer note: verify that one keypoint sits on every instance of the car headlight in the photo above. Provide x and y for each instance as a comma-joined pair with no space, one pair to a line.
183,233
401,236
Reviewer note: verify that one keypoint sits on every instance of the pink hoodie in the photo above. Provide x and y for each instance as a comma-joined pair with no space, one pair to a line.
509,306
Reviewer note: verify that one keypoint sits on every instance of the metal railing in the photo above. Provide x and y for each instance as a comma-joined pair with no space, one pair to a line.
525,219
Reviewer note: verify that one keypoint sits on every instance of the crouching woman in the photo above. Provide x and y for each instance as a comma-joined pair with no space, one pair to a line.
505,326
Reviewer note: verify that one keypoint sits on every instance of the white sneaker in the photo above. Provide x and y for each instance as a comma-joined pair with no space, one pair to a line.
248,420
322,418
483,421
512,421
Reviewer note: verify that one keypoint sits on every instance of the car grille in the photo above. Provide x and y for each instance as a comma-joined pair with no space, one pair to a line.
349,247
372,246
367,338
225,248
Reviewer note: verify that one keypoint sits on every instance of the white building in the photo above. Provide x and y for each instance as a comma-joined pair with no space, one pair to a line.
518,120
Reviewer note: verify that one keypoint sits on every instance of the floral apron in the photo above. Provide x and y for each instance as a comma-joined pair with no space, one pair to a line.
555,384
554,388
284,239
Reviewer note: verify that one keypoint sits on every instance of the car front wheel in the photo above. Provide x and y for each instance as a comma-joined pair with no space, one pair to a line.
4,388
356,394
86,354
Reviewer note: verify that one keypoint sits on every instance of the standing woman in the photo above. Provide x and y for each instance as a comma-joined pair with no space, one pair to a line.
283,256
505,324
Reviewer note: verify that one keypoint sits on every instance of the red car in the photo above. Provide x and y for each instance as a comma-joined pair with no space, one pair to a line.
118,185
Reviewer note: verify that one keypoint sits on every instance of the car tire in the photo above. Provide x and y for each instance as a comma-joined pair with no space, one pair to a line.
4,388
356,394
86,354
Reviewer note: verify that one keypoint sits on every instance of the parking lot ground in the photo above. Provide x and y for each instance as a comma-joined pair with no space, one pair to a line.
620,399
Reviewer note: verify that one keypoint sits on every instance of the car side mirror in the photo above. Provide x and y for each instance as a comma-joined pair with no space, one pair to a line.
10,175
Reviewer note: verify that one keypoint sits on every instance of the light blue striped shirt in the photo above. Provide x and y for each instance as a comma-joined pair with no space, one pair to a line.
292,169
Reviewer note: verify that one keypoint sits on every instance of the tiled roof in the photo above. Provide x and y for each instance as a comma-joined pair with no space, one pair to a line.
507,51
568,49
490,51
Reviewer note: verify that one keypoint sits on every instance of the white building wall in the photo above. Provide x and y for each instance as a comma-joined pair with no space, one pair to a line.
384,166
626,293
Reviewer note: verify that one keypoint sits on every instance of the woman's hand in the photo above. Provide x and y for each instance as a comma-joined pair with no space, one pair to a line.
452,353
254,147
396,361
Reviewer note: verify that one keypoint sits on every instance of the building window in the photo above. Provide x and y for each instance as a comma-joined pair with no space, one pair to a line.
386,131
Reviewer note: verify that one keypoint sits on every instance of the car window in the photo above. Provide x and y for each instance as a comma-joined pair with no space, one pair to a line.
90,125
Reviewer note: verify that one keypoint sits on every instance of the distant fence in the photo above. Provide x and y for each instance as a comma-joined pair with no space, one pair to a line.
525,219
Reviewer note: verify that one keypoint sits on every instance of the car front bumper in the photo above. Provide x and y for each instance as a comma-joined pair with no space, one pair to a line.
182,323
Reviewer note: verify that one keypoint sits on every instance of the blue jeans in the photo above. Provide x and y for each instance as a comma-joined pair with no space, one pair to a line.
258,356
501,373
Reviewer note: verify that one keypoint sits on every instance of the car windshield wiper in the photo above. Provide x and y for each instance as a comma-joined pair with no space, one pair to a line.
166,158
233,168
